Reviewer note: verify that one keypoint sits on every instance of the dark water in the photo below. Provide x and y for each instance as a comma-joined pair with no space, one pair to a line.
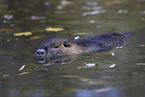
119,75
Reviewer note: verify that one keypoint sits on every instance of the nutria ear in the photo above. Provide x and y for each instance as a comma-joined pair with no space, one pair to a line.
66,44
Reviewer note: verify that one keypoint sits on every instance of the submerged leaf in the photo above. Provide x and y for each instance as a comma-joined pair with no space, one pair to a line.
140,64
5,52
23,34
54,29
24,73
5,30
74,76
83,33
36,37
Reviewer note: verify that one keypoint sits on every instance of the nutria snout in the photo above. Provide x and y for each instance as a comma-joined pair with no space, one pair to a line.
60,47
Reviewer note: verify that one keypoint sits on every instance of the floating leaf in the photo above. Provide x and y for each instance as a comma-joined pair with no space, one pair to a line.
24,73
83,33
8,17
112,66
36,37
112,54
89,65
23,34
22,67
54,29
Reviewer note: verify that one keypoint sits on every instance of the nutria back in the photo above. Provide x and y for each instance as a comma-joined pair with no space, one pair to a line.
60,47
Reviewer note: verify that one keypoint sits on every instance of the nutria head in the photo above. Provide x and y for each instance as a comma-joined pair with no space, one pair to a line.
58,47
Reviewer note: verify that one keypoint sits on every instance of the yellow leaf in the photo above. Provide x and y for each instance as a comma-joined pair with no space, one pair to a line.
54,29
36,37
5,30
23,34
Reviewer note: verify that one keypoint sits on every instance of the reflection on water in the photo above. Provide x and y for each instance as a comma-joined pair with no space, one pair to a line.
115,73
93,9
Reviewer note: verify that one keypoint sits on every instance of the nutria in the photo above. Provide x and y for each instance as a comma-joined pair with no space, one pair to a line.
59,47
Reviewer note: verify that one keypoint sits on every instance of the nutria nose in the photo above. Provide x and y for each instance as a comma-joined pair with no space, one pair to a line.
41,60
40,52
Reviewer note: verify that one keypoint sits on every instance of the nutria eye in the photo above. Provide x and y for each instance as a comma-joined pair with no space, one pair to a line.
66,44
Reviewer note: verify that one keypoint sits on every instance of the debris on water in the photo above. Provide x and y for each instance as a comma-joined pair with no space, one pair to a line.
23,34
8,40
93,12
73,76
36,37
66,2
91,3
23,73
54,29
36,17
141,45
8,17
103,90
92,8
98,26
46,3
89,65
82,33
122,11
6,30
140,64
59,7
92,21
112,66
5,75
112,54
4,21
63,3
77,37
60,12
12,25
143,12
22,67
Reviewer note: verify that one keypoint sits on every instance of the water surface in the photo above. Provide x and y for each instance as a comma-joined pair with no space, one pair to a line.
117,73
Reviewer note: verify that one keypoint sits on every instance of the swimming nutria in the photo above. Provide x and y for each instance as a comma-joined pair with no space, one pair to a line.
58,47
